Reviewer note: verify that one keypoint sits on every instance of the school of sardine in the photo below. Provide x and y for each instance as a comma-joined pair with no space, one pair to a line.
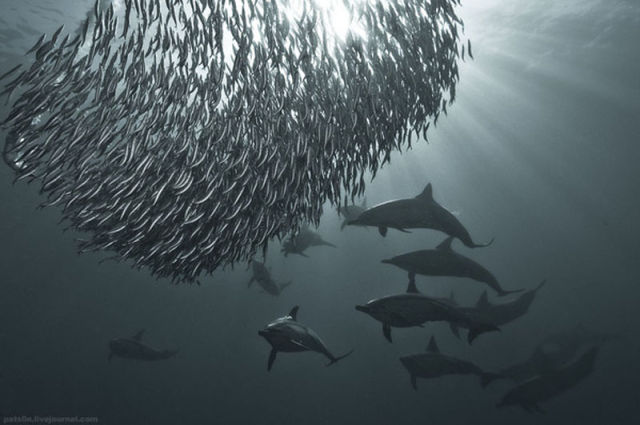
185,135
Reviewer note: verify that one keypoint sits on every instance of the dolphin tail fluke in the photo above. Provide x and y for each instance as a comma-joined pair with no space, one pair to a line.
480,245
272,358
487,378
335,360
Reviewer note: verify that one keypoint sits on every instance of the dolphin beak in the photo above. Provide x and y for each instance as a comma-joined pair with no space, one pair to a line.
263,333
386,261
362,308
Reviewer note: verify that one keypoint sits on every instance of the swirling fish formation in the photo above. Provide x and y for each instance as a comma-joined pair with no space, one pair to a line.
184,135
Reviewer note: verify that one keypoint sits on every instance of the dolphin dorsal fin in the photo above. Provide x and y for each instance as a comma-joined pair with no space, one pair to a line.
427,193
483,301
433,346
412,289
138,335
445,245
294,313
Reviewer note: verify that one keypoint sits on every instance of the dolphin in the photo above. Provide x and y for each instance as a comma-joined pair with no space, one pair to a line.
433,364
304,239
572,340
503,313
263,277
288,335
443,261
413,309
351,212
555,351
133,348
421,212
548,385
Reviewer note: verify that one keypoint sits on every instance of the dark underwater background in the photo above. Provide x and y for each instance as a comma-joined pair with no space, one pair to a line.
540,150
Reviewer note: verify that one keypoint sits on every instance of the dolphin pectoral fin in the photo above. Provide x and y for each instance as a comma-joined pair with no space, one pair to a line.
335,360
325,243
343,225
414,382
382,230
272,358
386,331
302,254
402,230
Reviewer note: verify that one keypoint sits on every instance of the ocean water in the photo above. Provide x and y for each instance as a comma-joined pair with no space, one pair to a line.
540,150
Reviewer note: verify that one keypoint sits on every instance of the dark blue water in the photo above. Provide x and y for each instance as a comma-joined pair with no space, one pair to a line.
540,151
